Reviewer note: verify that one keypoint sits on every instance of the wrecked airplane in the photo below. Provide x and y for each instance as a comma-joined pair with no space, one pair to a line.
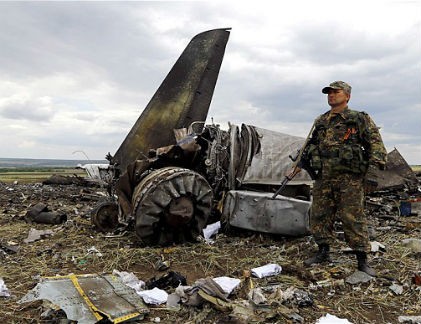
174,174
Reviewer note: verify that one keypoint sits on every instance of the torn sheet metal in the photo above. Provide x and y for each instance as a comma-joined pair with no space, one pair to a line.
272,161
257,211
35,235
398,175
90,298
97,171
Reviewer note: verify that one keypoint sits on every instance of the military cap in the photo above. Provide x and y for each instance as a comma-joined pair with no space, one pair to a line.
338,85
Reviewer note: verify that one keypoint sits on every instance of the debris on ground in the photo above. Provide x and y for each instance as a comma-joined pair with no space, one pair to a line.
266,270
89,298
189,273
40,213
35,235
154,296
4,292
332,319
358,277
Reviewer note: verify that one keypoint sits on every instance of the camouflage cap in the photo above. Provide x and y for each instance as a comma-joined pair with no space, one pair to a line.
338,85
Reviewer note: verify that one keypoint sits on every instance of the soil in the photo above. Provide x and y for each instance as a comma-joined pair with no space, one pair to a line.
66,252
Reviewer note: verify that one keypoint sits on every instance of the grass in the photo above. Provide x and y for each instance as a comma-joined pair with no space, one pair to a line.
31,175
416,168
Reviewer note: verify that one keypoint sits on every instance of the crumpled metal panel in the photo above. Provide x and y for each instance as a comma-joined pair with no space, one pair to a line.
257,211
107,294
398,174
272,163
183,97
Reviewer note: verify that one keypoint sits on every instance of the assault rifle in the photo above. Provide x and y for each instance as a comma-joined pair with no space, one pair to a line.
301,161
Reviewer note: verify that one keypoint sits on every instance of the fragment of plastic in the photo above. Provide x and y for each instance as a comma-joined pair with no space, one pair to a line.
332,319
211,230
227,284
405,208
154,296
90,298
267,270
4,292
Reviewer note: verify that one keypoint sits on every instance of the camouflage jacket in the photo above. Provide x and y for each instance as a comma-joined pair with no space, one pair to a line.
345,142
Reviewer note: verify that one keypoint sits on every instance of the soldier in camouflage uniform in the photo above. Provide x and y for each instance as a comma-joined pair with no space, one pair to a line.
343,144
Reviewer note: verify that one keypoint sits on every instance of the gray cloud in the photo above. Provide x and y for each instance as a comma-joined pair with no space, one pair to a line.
99,63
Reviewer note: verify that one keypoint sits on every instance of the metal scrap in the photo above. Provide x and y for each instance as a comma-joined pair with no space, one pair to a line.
90,298
40,213
35,235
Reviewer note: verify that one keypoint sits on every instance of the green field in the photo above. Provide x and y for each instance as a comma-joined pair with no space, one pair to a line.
31,175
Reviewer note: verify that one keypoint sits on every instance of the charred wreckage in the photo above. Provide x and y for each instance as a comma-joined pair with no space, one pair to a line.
173,175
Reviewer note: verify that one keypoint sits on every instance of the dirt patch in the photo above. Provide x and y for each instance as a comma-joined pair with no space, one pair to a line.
66,251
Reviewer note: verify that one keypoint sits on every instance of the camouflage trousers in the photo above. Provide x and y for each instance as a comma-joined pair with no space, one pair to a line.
341,198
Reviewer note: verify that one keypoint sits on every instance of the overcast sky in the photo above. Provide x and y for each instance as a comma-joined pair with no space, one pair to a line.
75,76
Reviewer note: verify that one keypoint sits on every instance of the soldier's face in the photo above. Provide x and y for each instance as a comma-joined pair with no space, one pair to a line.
337,98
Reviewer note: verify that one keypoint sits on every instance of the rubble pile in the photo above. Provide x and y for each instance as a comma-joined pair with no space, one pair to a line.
236,277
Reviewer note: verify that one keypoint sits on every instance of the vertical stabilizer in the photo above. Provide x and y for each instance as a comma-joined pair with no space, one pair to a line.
183,97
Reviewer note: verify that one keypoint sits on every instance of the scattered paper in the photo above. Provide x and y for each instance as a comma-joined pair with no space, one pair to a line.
271,269
376,247
332,319
155,296
211,230
227,284
4,292
130,280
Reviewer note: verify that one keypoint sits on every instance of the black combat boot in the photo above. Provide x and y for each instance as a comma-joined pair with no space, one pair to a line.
321,256
362,263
